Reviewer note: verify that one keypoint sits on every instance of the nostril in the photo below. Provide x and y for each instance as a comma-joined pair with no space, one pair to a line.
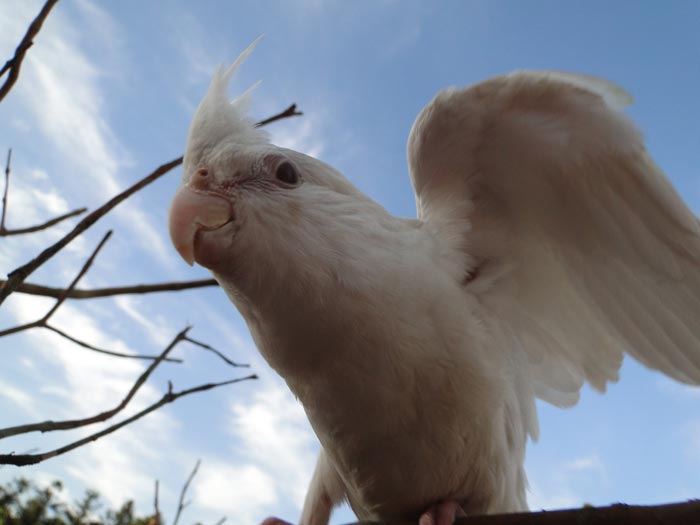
200,180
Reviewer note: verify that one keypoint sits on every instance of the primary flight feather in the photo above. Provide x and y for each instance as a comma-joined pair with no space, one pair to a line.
547,245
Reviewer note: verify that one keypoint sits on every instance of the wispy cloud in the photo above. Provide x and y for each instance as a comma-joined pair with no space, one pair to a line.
77,383
61,94
300,135
549,498
19,398
273,433
590,463
156,327
244,491
195,46
556,487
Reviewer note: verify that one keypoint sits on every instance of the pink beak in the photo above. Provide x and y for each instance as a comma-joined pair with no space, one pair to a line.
192,211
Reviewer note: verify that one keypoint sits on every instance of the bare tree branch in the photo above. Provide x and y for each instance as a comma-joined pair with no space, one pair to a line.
12,66
44,321
50,426
291,111
17,276
181,504
77,293
169,397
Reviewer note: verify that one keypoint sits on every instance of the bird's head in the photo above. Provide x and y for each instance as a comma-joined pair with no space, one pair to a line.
255,214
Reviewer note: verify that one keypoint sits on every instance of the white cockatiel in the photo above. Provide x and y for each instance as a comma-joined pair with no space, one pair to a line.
547,245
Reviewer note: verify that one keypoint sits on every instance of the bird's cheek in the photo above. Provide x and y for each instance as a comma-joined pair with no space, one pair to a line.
192,212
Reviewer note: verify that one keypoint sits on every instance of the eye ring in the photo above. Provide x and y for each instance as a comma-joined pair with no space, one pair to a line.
287,174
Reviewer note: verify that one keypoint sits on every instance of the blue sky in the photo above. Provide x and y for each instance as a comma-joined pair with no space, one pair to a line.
107,93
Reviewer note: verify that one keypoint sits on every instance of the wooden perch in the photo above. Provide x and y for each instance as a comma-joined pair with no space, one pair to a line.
684,513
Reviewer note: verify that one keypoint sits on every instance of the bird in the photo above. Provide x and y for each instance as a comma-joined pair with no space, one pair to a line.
547,245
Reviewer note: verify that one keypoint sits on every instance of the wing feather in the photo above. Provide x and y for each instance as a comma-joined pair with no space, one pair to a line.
559,221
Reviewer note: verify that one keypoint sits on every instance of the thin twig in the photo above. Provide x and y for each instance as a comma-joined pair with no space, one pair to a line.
12,66
88,346
50,426
181,503
215,351
156,517
4,232
77,293
44,321
169,397
291,111
8,165
221,521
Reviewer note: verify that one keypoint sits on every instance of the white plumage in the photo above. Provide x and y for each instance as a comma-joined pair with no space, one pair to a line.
547,245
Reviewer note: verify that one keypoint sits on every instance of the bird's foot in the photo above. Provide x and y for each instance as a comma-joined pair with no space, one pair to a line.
443,513
274,521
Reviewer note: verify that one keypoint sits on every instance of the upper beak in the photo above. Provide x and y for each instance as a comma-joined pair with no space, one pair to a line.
192,211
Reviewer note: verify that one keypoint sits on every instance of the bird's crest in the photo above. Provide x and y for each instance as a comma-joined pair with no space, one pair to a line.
219,119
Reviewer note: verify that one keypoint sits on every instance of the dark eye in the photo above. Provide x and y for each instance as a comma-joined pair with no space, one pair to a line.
287,173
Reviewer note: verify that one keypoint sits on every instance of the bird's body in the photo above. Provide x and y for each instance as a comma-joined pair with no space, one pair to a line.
547,244
411,335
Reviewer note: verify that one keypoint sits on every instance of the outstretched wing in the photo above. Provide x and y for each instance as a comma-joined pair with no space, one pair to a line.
553,214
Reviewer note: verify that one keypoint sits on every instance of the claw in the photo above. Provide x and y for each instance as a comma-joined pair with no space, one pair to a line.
443,513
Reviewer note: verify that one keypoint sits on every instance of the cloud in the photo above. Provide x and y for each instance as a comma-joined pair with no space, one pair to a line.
274,432
300,134
551,498
158,330
77,383
243,491
60,91
82,370
19,398
558,486
590,463
61,94
195,46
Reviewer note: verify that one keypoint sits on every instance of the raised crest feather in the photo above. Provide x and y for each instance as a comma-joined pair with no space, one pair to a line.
220,120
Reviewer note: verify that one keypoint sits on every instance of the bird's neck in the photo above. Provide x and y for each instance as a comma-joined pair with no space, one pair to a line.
344,282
